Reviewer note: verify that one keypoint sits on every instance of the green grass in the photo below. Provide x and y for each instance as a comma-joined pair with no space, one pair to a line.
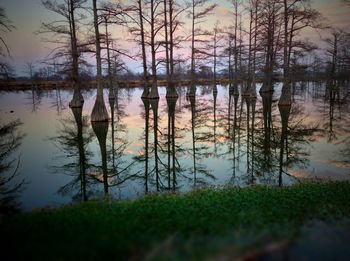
192,225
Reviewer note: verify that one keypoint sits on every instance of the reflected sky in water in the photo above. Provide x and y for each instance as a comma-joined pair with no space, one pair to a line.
209,140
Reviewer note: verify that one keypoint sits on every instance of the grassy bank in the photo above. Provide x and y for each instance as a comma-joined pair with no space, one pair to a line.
193,225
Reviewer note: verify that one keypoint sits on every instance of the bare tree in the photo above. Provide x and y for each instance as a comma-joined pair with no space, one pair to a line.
271,23
113,14
217,38
6,26
235,4
65,36
333,49
136,26
198,12
143,48
155,29
297,15
172,41
147,27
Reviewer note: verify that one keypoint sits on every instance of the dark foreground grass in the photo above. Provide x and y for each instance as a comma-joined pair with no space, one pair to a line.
195,225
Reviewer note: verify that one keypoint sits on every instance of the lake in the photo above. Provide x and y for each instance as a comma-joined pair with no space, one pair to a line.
150,146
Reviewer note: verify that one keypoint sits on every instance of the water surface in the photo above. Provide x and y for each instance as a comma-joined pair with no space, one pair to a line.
150,146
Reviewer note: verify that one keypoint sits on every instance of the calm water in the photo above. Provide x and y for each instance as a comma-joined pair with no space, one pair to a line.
176,145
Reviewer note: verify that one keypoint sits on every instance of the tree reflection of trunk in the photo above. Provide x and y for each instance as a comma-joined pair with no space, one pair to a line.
101,130
215,94
332,91
111,92
267,114
284,106
193,117
247,101
10,141
229,113
111,104
154,106
171,143
35,97
233,138
58,102
239,126
146,105
284,112
77,112
192,91
253,104
33,100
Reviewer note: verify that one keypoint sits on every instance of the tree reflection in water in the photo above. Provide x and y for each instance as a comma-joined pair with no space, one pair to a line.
232,131
210,139
269,146
10,141
119,171
115,169
101,130
334,106
172,163
284,107
199,136
73,138
144,157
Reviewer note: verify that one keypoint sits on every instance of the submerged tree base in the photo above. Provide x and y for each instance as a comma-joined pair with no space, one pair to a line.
207,223
154,92
99,111
77,100
171,91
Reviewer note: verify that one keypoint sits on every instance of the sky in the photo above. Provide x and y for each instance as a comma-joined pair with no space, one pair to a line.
27,15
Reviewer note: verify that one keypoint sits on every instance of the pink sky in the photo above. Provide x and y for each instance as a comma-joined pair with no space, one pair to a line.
28,15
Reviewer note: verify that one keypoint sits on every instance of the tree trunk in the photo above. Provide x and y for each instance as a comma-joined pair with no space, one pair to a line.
285,44
215,46
171,92
249,77
192,91
253,87
171,43
143,49
236,52
154,90
77,100
99,111
167,65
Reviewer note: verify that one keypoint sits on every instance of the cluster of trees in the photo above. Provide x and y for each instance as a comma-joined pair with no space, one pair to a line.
268,42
